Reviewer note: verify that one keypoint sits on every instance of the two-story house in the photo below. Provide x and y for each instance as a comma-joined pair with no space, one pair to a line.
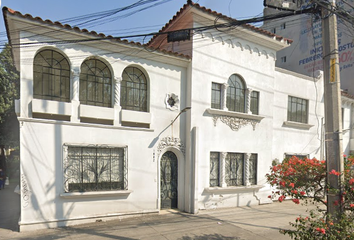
110,128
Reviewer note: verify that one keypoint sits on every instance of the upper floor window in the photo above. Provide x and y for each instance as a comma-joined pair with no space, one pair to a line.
216,95
236,91
51,76
134,90
254,102
297,109
95,83
283,26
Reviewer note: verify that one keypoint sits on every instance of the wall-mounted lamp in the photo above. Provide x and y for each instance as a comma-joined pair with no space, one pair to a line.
182,111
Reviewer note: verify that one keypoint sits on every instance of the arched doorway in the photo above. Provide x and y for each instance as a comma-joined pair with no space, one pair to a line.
169,180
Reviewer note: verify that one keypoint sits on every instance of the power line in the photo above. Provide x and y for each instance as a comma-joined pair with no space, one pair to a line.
229,24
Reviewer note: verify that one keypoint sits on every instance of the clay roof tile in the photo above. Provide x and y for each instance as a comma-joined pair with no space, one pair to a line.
93,33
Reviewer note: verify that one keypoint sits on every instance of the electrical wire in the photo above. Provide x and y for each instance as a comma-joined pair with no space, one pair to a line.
198,29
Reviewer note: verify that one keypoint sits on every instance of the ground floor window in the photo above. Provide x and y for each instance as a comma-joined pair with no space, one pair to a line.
232,169
214,169
95,168
300,156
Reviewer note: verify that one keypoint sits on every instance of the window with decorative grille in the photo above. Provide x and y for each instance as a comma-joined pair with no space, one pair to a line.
134,90
95,169
252,174
214,169
235,169
95,83
235,99
51,76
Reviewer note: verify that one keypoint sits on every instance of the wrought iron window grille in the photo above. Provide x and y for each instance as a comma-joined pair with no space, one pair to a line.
95,83
134,90
51,76
95,168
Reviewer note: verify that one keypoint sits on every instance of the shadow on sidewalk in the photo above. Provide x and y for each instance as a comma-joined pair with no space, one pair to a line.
9,207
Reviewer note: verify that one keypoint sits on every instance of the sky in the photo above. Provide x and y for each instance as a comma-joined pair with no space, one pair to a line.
124,23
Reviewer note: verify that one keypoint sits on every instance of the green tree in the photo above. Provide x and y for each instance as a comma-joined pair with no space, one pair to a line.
9,90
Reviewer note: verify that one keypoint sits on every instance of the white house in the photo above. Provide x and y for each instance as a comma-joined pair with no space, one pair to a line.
110,128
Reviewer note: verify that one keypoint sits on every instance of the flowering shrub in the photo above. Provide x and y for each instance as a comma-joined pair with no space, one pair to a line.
304,181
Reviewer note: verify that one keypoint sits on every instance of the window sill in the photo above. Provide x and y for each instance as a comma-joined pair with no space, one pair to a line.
96,194
297,125
51,107
234,114
135,117
96,112
220,190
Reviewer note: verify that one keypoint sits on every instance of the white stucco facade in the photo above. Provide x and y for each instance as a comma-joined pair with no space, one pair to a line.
49,128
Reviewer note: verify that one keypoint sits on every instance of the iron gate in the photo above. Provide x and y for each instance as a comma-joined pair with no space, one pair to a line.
169,180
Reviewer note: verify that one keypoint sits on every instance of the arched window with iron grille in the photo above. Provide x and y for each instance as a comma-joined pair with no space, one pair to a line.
236,93
51,76
134,90
95,83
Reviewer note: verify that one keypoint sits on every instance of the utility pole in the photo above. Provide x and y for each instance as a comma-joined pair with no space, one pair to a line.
332,102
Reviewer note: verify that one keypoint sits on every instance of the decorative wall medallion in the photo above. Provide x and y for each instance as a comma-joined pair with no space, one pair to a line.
170,142
172,101
235,123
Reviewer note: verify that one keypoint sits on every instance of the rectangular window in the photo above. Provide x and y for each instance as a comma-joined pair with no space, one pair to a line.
283,59
252,174
297,109
216,96
283,26
234,169
214,169
254,102
95,169
300,156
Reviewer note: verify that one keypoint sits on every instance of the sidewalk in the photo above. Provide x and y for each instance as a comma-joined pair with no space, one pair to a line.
9,208
244,223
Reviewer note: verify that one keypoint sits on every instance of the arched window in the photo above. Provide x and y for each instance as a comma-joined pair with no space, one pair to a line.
95,83
51,76
134,90
236,94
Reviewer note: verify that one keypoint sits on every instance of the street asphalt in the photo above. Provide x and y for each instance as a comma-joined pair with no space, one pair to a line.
242,223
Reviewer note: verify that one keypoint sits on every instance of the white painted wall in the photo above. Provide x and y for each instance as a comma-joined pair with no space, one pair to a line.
291,139
216,56
42,142
214,61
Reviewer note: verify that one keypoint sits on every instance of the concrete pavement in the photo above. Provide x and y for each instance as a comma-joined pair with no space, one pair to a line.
243,223
9,208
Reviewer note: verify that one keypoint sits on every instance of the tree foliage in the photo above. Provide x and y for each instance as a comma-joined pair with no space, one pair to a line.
304,181
9,90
